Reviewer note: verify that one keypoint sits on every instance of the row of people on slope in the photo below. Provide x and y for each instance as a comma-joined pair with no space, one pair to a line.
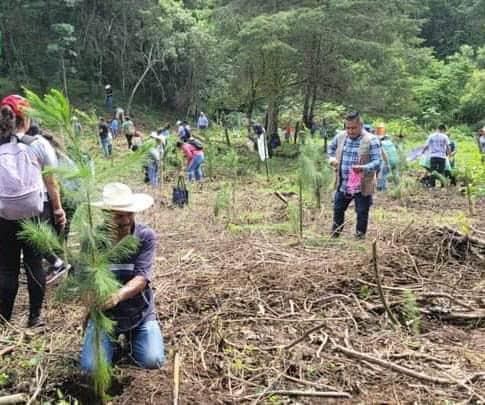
24,159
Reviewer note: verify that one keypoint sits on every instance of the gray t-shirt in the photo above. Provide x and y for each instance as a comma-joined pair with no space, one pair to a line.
438,144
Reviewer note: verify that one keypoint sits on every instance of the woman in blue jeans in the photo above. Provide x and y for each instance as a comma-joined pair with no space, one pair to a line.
132,307
195,159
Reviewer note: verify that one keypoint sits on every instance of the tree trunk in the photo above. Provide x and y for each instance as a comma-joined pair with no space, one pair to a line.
272,118
306,105
64,76
150,63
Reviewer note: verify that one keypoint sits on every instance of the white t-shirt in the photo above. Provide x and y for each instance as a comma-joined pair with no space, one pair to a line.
44,154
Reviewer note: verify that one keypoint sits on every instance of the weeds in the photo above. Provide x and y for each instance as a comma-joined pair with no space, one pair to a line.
411,312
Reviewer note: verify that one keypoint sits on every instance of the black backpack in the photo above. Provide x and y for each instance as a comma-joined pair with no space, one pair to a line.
186,133
196,143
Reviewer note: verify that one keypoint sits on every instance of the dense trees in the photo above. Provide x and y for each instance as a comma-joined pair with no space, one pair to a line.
384,57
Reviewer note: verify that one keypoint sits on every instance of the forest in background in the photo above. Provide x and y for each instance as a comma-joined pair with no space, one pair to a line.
419,59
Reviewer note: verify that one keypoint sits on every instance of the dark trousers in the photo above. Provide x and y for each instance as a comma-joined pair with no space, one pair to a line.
438,165
10,248
128,139
341,203
48,216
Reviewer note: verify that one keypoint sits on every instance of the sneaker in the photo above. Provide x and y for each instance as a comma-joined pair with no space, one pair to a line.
35,321
57,272
360,236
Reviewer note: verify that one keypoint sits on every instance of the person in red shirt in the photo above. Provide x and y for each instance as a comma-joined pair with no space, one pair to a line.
195,158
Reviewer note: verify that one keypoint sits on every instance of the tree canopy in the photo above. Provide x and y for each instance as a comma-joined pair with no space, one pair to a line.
422,59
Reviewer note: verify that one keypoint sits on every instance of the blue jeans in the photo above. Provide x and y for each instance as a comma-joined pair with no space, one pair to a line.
109,103
382,177
145,342
341,203
194,169
107,147
153,173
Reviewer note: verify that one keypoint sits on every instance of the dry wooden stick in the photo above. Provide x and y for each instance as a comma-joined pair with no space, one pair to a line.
379,286
13,399
7,350
320,394
395,367
176,378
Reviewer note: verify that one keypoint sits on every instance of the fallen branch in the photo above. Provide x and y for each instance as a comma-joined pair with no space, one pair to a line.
176,378
7,350
13,399
392,366
281,197
379,286
320,394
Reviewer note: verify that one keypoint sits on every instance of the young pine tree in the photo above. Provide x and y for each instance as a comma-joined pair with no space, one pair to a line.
90,249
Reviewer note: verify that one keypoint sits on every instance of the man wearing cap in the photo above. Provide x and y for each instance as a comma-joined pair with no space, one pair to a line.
132,306
356,156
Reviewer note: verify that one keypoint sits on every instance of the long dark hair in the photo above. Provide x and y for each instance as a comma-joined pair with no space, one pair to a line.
8,121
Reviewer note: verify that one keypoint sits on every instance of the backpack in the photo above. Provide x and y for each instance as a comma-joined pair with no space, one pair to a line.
21,184
186,133
196,143
391,152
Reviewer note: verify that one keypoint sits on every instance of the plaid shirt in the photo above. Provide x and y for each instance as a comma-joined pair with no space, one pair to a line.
350,157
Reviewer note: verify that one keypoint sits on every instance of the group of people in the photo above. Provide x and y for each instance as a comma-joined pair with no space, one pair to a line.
29,191
109,130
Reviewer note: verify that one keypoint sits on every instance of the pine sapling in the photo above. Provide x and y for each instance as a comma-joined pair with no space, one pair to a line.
411,312
93,247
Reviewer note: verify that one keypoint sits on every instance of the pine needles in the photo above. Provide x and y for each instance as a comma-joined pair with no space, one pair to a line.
93,282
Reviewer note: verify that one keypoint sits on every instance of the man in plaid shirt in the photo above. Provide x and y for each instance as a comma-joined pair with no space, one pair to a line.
354,150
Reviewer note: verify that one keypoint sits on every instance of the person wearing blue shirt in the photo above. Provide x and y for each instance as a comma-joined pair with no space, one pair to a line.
202,122
355,154
115,127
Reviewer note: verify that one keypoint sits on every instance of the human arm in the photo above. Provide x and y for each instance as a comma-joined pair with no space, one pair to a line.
332,151
374,157
48,159
133,287
55,199
188,151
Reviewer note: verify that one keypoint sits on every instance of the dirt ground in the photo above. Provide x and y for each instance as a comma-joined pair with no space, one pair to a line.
256,315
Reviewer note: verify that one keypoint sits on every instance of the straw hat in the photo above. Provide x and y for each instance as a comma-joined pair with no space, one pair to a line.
119,197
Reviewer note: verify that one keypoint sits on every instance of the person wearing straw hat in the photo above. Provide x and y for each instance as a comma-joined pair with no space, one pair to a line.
132,306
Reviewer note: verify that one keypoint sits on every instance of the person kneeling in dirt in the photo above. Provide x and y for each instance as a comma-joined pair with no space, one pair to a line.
356,156
132,306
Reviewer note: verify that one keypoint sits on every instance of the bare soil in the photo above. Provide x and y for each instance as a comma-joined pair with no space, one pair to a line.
239,303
